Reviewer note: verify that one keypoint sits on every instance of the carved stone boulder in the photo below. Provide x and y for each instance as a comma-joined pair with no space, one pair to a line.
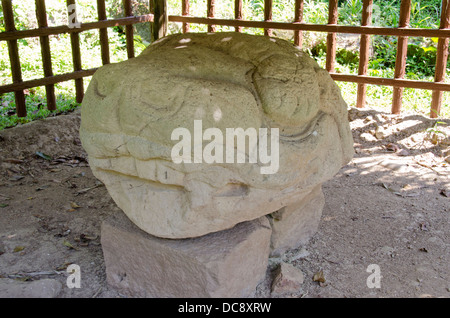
199,82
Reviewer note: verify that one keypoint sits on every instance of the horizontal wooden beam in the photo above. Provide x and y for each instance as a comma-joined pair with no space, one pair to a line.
15,35
46,81
364,79
371,30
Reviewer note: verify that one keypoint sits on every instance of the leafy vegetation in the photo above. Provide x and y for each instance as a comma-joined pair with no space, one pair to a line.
420,61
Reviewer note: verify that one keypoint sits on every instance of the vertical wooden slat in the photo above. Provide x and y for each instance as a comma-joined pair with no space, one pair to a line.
364,52
238,13
441,61
211,11
331,37
268,4
41,15
402,50
151,6
129,29
184,12
160,19
298,18
76,57
14,59
103,32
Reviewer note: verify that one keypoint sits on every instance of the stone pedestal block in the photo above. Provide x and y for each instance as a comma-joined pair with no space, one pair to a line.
293,225
228,263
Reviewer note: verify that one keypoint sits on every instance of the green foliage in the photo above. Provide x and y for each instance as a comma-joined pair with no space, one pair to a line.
350,12
421,61
36,108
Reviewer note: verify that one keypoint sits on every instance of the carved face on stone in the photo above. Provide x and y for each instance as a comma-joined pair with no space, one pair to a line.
224,80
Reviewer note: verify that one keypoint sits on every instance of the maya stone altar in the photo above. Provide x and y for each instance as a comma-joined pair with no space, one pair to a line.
203,135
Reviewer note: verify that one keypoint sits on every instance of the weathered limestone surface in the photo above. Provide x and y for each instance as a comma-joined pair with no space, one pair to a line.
293,225
227,80
288,279
228,263
43,288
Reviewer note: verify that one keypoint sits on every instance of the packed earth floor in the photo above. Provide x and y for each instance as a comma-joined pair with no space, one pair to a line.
390,206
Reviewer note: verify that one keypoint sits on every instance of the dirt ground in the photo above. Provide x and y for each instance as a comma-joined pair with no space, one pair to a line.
389,206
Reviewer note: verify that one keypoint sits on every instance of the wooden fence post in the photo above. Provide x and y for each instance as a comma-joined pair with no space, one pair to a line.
160,19
103,32
211,11
13,50
185,12
268,4
129,29
76,55
400,61
331,37
364,52
298,18
41,16
238,13
441,61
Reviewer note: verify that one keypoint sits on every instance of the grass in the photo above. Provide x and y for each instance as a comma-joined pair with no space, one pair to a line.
420,63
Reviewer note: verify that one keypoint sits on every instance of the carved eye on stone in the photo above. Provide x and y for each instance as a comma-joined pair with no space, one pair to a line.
98,88
297,134
155,102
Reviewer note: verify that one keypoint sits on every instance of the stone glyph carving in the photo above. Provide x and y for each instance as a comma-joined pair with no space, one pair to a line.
226,80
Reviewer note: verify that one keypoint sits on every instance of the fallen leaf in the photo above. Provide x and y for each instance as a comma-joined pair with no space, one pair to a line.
43,155
84,239
18,249
74,205
390,189
15,161
63,267
60,160
88,238
16,178
434,139
42,187
3,205
392,147
70,246
82,191
319,277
